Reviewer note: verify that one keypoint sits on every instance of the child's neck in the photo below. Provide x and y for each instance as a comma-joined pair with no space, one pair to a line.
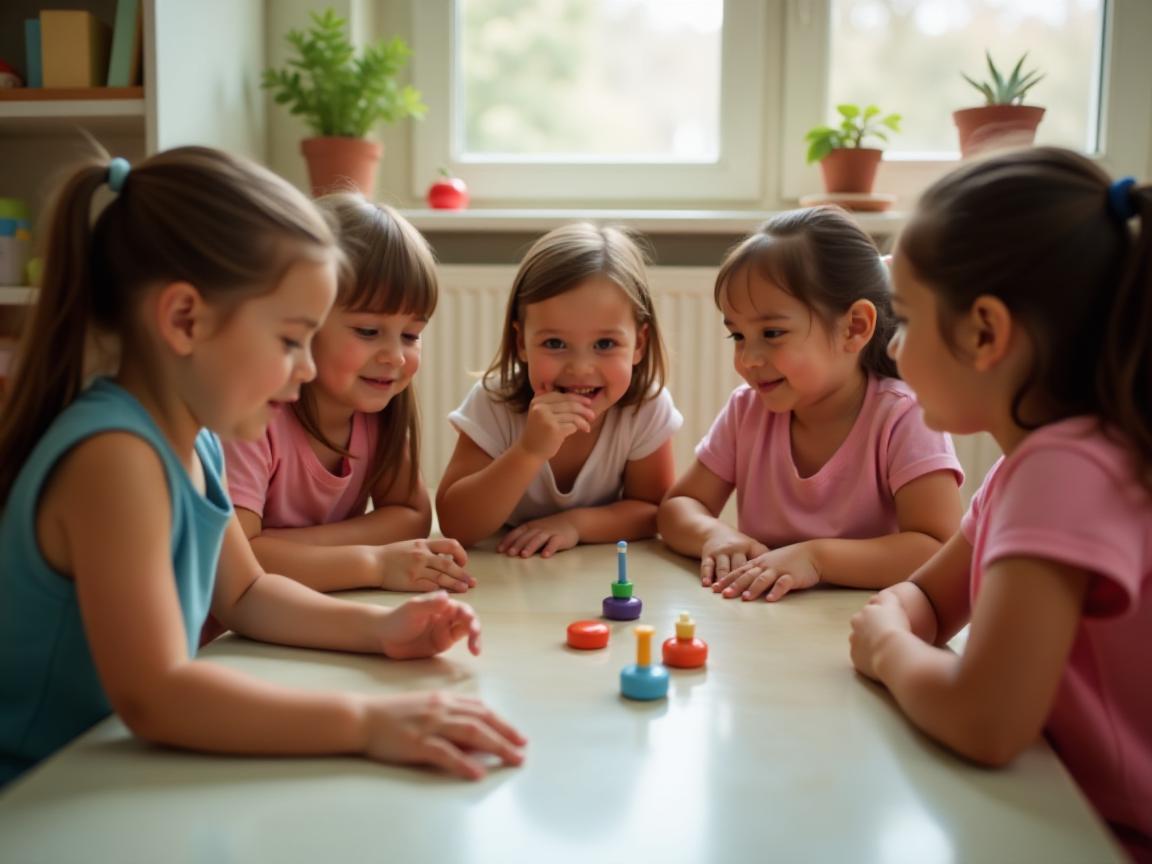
333,418
160,399
818,430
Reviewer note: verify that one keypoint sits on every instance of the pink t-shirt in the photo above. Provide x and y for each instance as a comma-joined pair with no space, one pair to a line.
281,479
851,496
1068,494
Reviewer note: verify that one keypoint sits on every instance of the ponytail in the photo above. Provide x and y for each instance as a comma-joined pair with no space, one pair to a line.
50,359
1124,375
191,214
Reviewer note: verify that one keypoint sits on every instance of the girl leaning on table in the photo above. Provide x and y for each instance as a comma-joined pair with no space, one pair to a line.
116,533
837,478
1024,286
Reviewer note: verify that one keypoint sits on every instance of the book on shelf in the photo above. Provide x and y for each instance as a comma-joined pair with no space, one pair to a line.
127,45
33,71
73,48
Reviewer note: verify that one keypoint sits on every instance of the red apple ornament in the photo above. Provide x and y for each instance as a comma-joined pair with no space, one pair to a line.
448,193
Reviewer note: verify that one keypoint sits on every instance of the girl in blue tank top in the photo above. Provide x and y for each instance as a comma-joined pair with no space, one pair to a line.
210,276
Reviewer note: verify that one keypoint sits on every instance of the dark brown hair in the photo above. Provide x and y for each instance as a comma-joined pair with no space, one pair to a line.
556,263
391,271
1035,228
192,214
825,260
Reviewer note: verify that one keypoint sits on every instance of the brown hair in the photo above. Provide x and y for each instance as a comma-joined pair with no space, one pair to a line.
558,262
191,214
392,271
1037,230
825,260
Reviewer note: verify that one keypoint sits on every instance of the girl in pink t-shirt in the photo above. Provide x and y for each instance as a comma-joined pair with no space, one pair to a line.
837,478
1026,300
354,436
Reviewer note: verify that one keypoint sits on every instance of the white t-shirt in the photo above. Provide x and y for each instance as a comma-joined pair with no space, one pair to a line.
629,433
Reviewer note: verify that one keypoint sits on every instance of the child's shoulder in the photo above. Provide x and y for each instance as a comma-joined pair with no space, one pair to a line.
1075,441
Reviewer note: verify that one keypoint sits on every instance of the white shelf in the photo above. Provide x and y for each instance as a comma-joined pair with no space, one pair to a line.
648,221
17,295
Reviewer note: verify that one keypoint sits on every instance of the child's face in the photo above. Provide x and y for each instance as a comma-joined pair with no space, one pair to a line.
364,359
262,352
925,361
583,341
782,349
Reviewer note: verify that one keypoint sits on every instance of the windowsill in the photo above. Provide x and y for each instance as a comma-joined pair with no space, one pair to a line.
726,222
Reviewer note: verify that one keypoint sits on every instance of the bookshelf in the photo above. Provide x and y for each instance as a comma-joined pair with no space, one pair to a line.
201,73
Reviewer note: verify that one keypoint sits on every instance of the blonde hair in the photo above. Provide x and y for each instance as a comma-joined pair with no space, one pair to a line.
191,214
556,263
391,271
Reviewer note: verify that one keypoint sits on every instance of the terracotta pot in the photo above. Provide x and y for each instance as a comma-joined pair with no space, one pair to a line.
850,169
996,127
341,164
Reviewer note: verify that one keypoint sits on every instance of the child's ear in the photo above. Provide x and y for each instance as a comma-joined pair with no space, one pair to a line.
181,316
859,325
987,332
641,344
521,350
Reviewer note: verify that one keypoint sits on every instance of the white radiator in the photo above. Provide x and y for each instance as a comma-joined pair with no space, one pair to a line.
465,330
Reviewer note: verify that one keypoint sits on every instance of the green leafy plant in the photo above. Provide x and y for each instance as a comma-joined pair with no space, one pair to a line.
856,125
998,90
336,92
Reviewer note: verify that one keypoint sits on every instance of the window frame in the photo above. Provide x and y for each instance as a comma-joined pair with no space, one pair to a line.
735,176
775,57
1125,120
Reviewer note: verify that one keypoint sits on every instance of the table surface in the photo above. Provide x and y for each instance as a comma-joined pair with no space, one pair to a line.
776,749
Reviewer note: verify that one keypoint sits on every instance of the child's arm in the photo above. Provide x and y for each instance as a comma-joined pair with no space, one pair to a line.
477,493
689,522
927,512
936,597
407,565
112,535
633,517
991,702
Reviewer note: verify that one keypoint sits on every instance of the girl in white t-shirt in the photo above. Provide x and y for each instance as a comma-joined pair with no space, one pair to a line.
301,490
568,436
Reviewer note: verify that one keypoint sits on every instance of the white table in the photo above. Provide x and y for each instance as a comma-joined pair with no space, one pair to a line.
775,751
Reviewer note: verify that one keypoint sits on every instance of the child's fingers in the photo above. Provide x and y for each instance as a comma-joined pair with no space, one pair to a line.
475,734
739,559
762,583
707,570
723,565
533,543
478,709
783,585
451,548
444,754
552,546
509,539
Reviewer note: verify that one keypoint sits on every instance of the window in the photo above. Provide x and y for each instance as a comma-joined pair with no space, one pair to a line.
705,103
602,99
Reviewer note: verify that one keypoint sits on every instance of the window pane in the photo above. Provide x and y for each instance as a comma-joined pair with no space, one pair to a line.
588,80
907,55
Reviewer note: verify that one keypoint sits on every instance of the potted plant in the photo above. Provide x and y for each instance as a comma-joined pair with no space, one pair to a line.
1003,120
847,165
341,96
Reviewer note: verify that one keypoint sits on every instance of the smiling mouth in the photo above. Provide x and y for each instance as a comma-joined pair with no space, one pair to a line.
378,382
769,385
590,392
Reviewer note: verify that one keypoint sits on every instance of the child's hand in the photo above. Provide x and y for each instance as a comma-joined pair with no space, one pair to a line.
882,615
423,565
552,417
776,572
427,625
547,536
439,729
726,551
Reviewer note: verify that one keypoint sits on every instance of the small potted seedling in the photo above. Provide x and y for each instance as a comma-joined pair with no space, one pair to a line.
1003,120
847,163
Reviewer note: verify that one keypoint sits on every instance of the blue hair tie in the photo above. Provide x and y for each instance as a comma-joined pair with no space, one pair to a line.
1120,199
118,170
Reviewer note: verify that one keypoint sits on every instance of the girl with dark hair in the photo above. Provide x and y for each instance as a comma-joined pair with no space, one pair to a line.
1025,296
836,477
354,435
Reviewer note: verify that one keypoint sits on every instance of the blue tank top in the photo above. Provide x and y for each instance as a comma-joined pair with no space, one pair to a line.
49,689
